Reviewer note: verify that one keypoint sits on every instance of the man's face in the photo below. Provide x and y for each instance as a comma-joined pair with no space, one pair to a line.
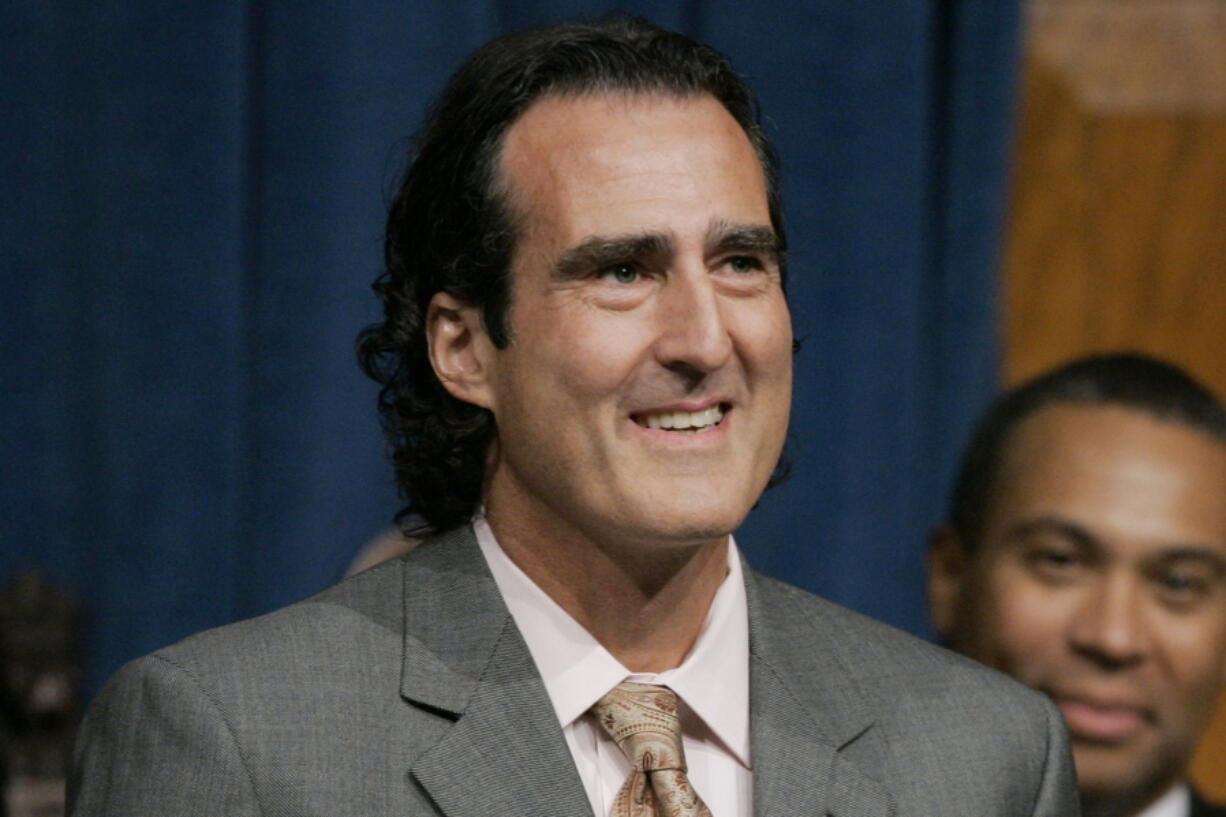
644,397
1101,580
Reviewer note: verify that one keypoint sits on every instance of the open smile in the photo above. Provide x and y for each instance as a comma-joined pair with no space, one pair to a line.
685,422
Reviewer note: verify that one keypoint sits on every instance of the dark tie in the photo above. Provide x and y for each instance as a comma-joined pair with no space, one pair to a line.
643,720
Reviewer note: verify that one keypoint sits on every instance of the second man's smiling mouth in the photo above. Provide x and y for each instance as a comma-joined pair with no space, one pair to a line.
1100,720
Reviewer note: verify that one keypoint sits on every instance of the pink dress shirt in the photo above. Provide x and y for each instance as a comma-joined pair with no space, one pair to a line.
712,684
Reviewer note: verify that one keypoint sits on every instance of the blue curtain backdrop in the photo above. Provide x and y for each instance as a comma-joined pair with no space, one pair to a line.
194,195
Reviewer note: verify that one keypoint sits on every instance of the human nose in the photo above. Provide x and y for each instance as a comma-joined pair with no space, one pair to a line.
693,333
1109,627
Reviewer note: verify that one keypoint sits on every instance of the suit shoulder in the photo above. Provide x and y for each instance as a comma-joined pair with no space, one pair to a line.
933,714
895,665
865,638
359,617
301,705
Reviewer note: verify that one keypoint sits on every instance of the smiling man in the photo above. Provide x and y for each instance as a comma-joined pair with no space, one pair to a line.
586,361
1086,557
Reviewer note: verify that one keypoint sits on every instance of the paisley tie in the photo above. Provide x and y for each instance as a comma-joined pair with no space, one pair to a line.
643,720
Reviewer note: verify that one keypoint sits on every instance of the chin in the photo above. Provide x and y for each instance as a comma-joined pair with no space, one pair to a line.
1106,776
676,512
700,527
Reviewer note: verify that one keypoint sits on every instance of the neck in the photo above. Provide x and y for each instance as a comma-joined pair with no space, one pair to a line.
645,604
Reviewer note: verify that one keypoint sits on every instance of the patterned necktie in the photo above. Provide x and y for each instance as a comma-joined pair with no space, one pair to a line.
643,720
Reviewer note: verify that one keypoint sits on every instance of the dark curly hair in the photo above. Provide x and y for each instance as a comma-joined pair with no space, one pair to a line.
1127,380
450,228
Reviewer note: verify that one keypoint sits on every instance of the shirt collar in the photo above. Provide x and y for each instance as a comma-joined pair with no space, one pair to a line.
577,670
1177,802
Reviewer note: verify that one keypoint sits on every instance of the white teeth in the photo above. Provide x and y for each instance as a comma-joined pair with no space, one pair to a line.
691,421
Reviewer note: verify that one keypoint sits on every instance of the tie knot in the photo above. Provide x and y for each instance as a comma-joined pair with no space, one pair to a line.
643,720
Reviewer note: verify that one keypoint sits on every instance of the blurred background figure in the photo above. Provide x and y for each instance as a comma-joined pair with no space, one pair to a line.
388,544
40,674
1085,555
1115,236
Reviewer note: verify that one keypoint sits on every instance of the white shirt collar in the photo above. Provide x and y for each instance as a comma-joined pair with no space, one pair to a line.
1175,803
577,670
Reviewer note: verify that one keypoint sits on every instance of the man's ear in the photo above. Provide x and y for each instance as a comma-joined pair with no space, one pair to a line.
460,350
949,564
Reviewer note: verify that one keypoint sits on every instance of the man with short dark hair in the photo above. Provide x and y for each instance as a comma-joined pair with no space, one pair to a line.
1086,557
586,368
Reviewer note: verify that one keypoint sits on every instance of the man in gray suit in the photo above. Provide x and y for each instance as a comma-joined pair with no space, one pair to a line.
586,369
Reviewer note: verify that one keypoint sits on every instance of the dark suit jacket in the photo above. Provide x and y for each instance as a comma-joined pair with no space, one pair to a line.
407,690
1202,809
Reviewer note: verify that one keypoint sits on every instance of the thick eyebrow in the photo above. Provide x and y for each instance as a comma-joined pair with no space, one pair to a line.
1084,539
758,239
599,252
1054,525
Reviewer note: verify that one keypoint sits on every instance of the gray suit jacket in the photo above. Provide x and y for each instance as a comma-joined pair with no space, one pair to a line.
408,690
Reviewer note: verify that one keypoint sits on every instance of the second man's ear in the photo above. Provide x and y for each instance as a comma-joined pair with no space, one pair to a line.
948,563
460,350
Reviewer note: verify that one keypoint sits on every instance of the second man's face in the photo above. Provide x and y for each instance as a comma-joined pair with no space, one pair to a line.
1100,579
644,396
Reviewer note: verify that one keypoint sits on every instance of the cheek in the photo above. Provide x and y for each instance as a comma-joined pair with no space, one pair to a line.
1195,649
764,335
1019,628
574,362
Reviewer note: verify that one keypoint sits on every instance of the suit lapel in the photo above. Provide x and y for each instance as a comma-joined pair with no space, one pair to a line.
812,737
464,657
811,733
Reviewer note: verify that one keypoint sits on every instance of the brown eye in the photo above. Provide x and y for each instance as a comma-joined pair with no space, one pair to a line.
744,263
1180,586
1052,563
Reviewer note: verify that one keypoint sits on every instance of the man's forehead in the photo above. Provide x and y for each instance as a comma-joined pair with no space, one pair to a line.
1115,472
1111,436
610,164
598,133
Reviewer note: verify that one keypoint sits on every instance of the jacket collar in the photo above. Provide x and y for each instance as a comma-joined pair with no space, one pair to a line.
812,731
505,752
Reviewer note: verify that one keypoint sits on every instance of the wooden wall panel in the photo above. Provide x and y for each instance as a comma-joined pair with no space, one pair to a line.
1117,229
